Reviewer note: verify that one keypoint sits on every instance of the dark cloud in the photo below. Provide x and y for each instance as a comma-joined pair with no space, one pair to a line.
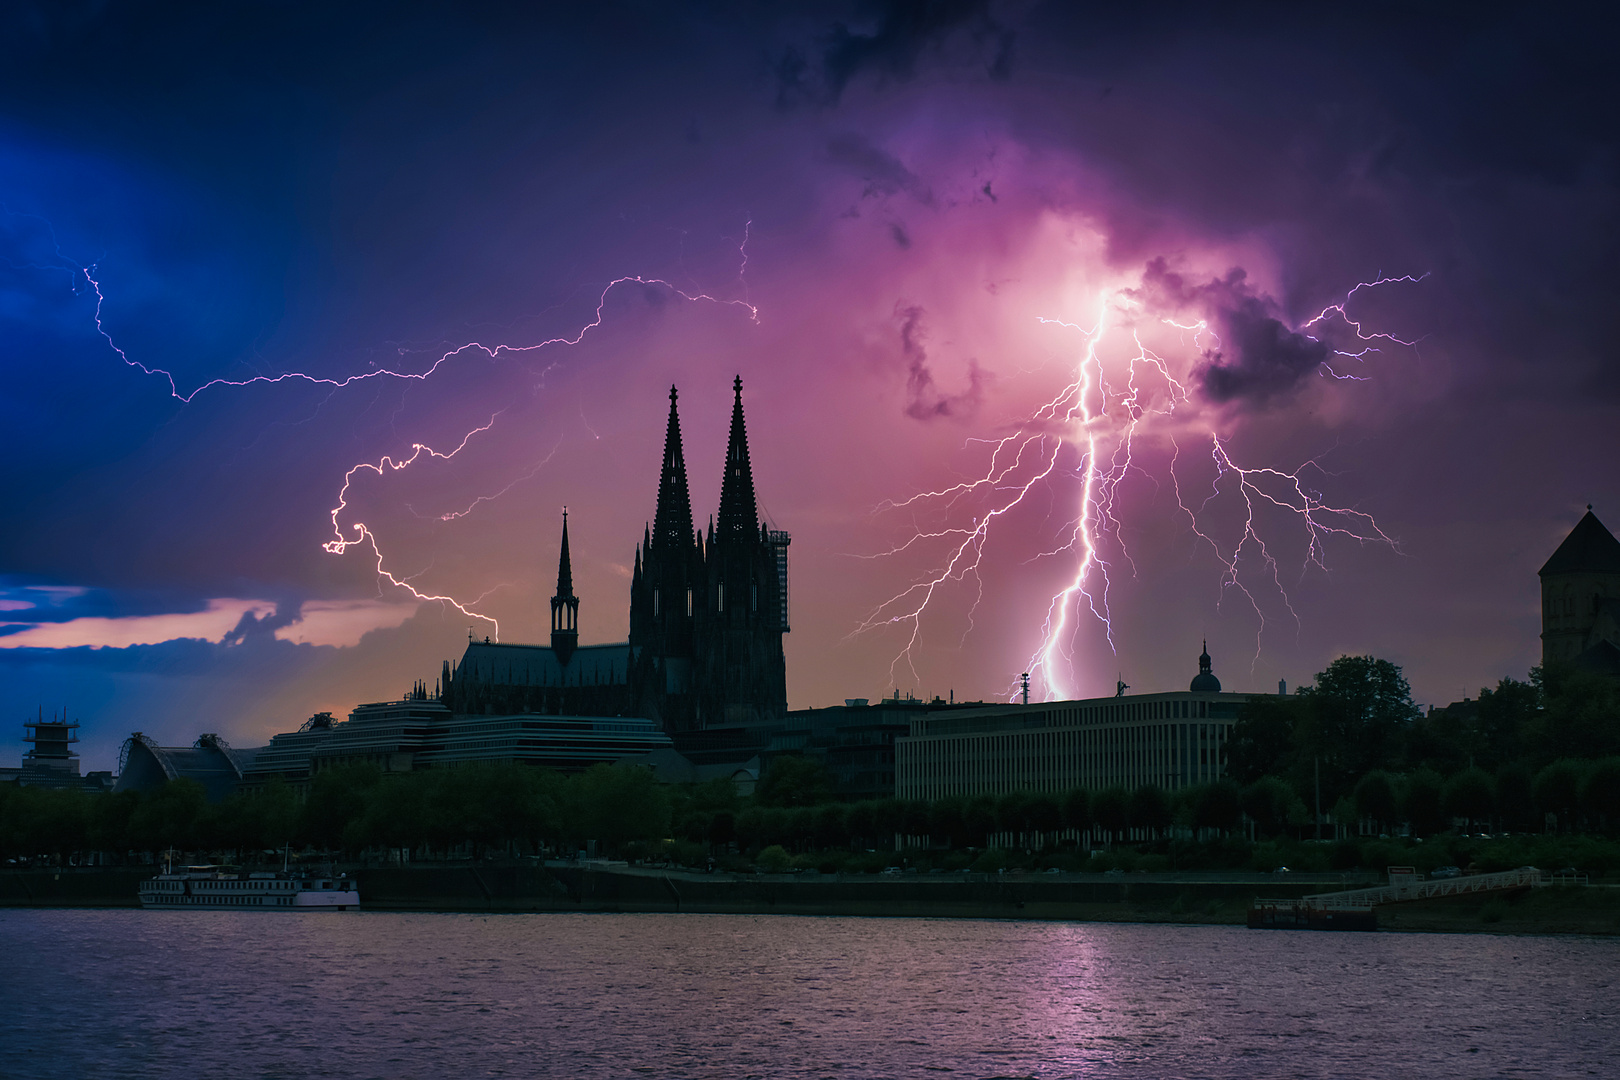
1256,358
1260,358
883,173
257,627
924,400
28,600
276,186
901,31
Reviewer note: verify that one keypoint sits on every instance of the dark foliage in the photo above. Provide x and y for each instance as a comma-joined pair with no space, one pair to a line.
791,780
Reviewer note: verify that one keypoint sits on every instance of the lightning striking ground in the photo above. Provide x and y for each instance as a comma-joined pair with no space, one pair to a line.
1085,435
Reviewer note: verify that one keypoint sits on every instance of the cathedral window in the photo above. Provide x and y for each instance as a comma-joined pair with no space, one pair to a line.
655,603
720,597
753,597
688,603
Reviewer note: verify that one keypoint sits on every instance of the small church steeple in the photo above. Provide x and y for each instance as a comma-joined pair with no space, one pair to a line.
564,605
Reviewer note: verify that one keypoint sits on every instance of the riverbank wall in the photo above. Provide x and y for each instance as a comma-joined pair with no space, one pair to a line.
575,887
1211,898
73,887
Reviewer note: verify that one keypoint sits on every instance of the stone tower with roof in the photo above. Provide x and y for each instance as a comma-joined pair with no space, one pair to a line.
1580,598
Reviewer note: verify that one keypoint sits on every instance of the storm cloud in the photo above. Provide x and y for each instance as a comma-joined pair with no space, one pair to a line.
924,399
864,210
1255,358
891,41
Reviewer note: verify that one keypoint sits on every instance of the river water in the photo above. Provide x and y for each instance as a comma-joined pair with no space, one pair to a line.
214,994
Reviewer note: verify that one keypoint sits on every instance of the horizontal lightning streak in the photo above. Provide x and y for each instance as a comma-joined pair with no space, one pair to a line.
361,533
493,352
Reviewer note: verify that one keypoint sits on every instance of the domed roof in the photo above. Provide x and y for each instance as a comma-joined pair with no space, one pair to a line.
1205,681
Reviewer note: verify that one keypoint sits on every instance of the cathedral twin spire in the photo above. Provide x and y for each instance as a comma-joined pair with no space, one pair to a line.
705,613
739,512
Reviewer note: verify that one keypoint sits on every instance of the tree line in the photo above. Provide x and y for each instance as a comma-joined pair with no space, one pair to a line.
1524,756
1521,758
467,810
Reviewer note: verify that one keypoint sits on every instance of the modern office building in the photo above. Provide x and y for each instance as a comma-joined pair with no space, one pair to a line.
421,732
143,765
1174,740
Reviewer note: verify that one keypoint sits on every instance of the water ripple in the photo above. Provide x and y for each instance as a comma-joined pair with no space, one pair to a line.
356,995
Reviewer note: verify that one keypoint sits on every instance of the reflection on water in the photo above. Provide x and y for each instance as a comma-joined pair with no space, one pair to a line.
234,994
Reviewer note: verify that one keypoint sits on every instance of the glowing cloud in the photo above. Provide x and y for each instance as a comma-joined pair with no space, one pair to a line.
213,623
343,622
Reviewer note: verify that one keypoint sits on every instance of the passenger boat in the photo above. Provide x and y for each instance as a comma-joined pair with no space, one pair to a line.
206,887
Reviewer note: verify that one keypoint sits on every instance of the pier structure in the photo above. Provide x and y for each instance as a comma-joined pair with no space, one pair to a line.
1356,909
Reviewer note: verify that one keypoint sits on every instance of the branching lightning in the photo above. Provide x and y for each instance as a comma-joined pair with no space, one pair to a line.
1085,435
358,533
493,352
363,535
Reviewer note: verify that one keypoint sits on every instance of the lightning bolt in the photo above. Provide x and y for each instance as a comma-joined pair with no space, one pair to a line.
358,533
1086,434
493,352
363,535
534,470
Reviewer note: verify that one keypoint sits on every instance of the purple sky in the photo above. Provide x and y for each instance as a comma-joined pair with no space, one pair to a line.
1025,300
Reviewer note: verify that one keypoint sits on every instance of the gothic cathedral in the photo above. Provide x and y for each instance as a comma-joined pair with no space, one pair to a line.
707,615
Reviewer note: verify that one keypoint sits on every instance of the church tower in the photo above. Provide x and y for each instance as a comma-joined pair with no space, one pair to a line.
565,605
743,675
1580,597
666,589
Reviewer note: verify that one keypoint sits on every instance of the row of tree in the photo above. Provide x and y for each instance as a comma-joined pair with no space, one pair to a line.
468,809
1358,718
474,809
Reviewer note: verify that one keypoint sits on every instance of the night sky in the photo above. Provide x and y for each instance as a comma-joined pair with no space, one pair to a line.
1021,296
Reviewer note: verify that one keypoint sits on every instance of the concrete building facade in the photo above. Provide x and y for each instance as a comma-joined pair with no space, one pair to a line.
1173,740
421,732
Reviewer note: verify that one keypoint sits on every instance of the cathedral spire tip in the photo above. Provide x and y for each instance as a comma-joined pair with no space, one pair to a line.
739,512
